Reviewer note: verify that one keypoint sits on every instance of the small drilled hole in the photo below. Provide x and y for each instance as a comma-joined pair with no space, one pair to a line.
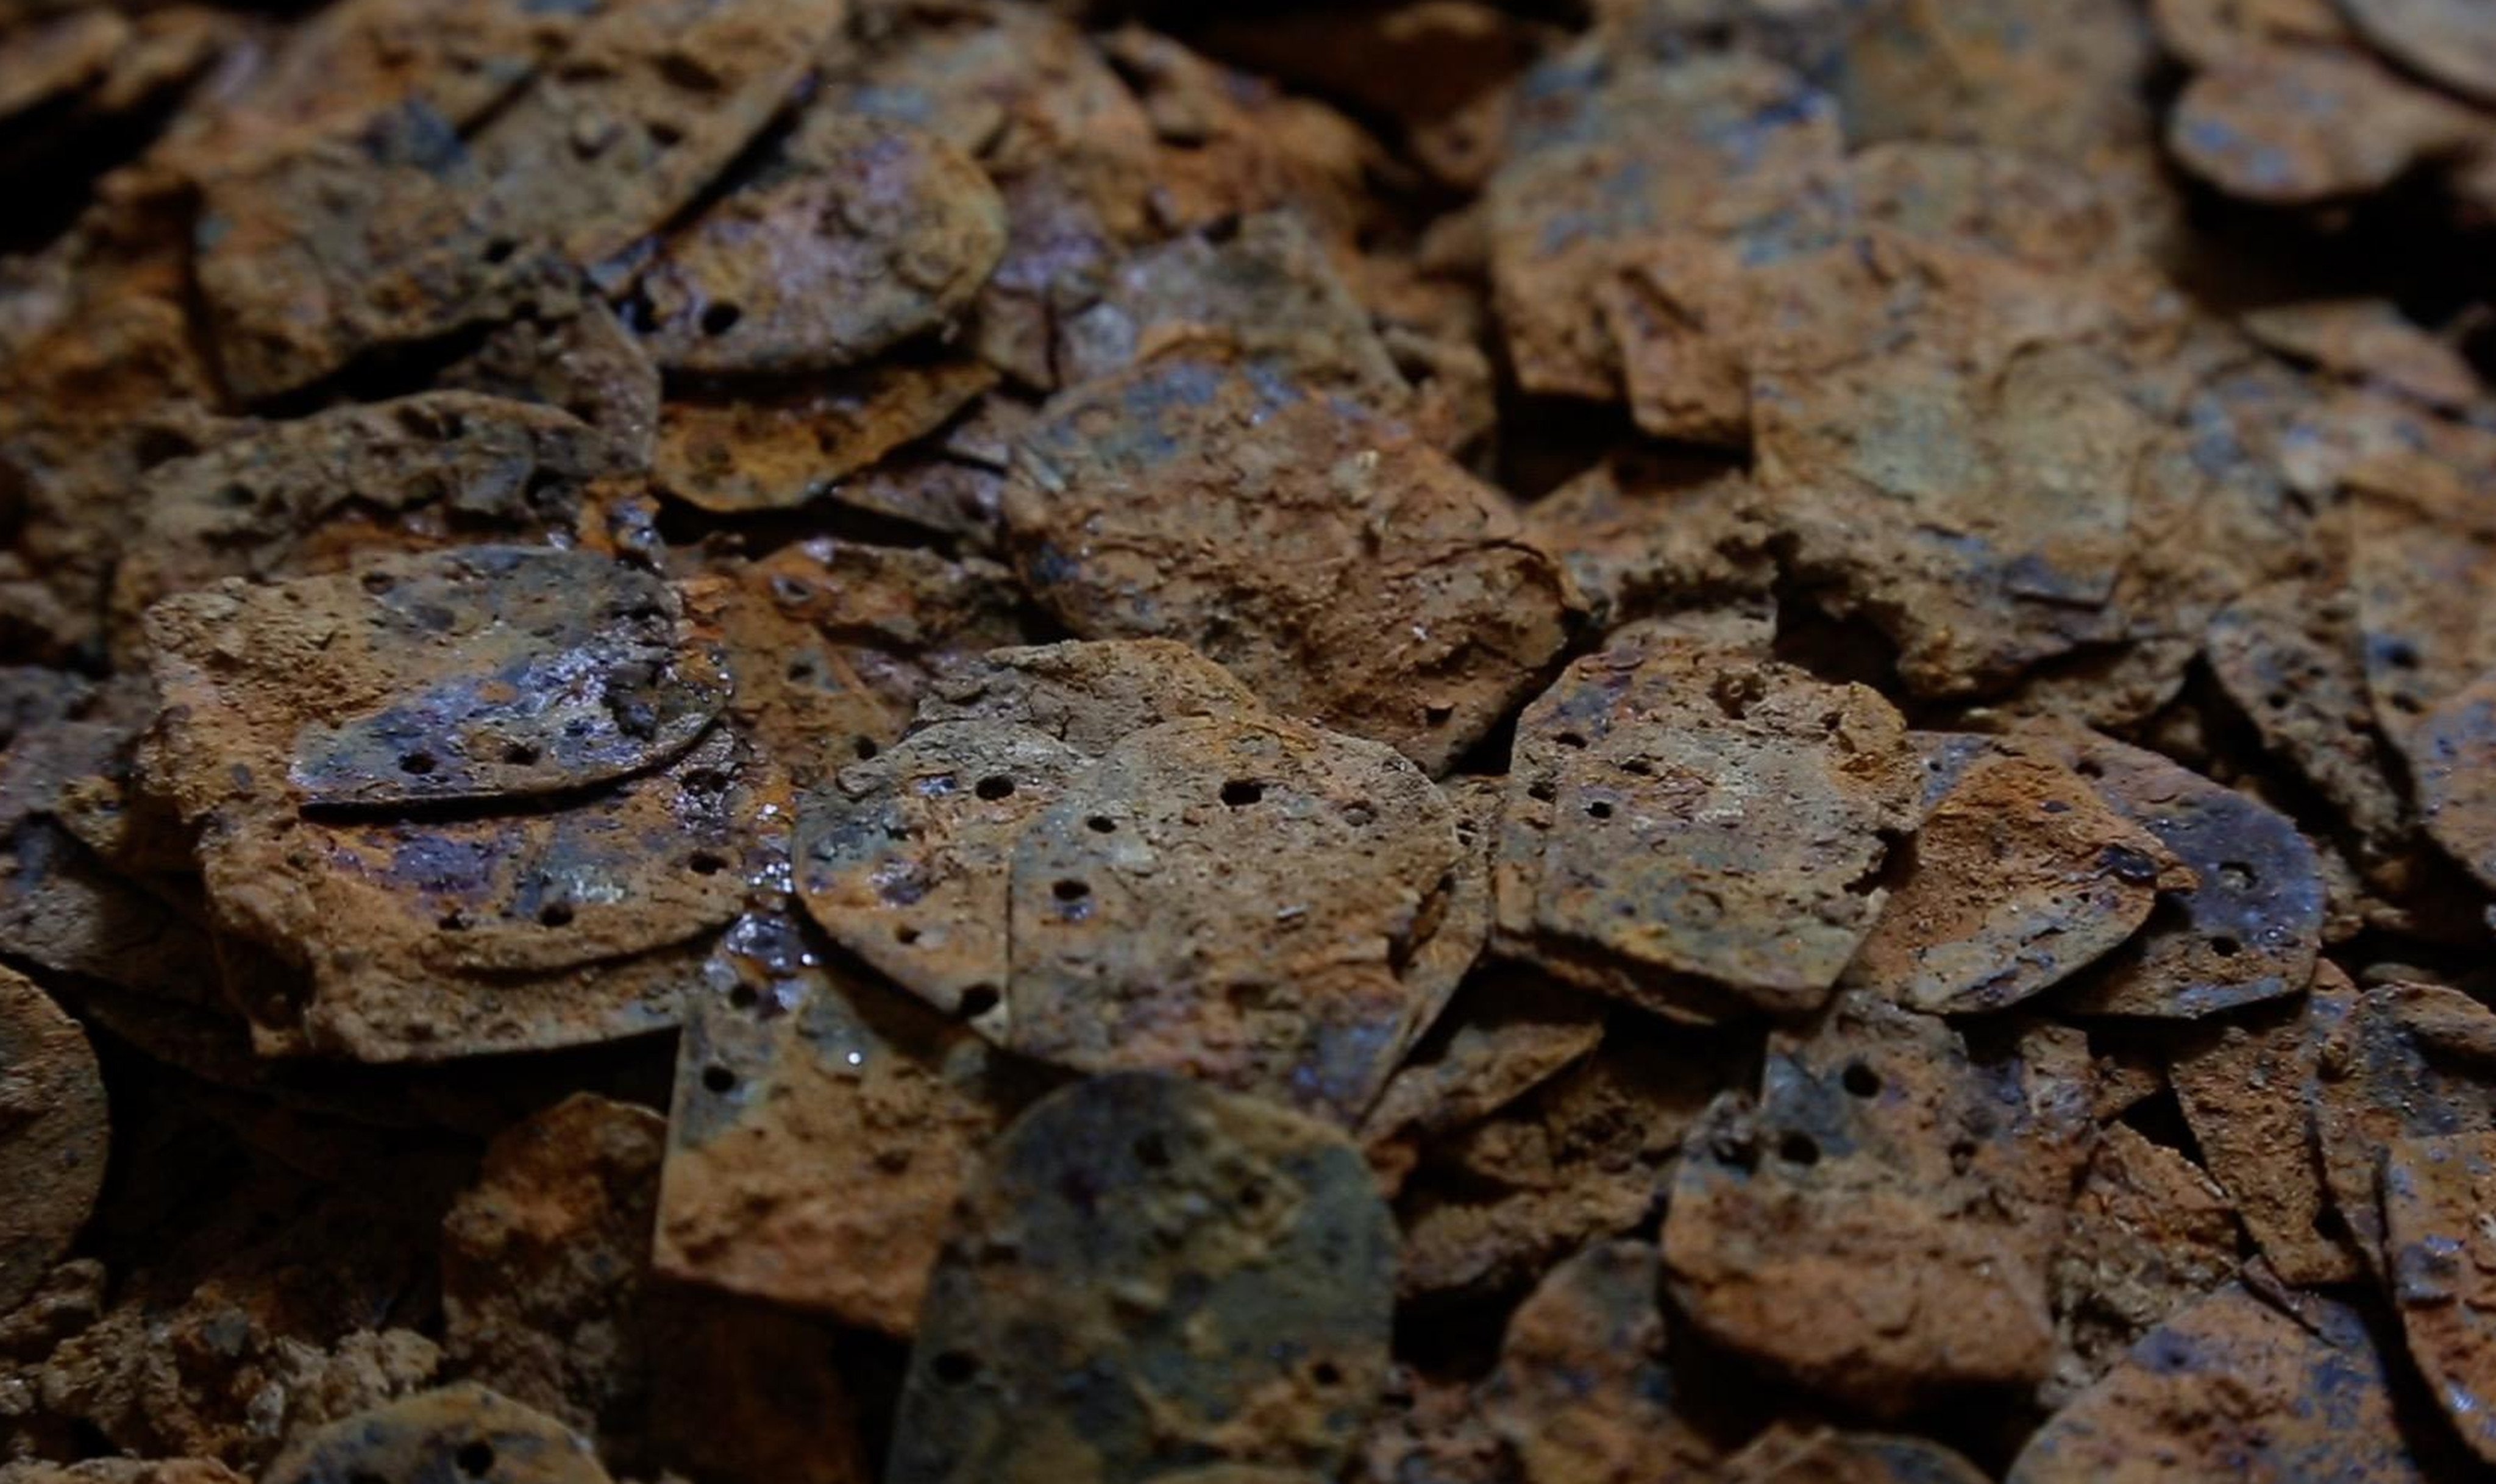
954,1368
1861,1080
500,250
1570,739
705,863
719,1079
720,318
743,997
666,136
1101,825
1600,809
1327,1373
1798,1149
419,763
1240,792
476,1460
1439,714
2226,947
1070,891
865,748
452,923
555,915
993,788
978,1000
521,755
905,935
1152,1153
378,583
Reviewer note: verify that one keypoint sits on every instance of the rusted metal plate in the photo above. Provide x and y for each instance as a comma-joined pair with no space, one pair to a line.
317,256
2437,1193
2296,126
55,1126
2399,1061
822,1131
2243,1083
1950,438
1505,1033
1644,532
732,449
473,673
2250,925
907,859
2150,1233
1697,829
584,362
1214,501
2453,751
1879,1225
2368,341
858,234
1251,913
1149,1273
1631,199
1583,1155
2233,1388
434,937
1089,696
459,1432
2289,656
1267,285
1583,1393
548,1298
256,505
2018,878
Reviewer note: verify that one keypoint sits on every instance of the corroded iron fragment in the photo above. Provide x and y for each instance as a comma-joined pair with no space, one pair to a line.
1695,829
2397,1062
549,1299
1148,1273
1878,1224
459,1432
2233,1388
1632,198
1089,696
2437,1193
2150,1233
822,1131
2289,656
472,673
907,859
1583,1393
1953,438
734,448
257,505
55,1126
2018,878
2242,1082
2453,751
2368,341
1218,503
2295,125
1585,1153
1244,899
859,234
1505,1033
2250,924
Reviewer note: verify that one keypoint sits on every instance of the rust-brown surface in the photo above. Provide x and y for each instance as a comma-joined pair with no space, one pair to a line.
55,1134
1433,742
1881,1221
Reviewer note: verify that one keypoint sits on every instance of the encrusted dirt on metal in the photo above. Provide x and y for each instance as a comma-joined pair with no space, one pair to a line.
1146,1273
